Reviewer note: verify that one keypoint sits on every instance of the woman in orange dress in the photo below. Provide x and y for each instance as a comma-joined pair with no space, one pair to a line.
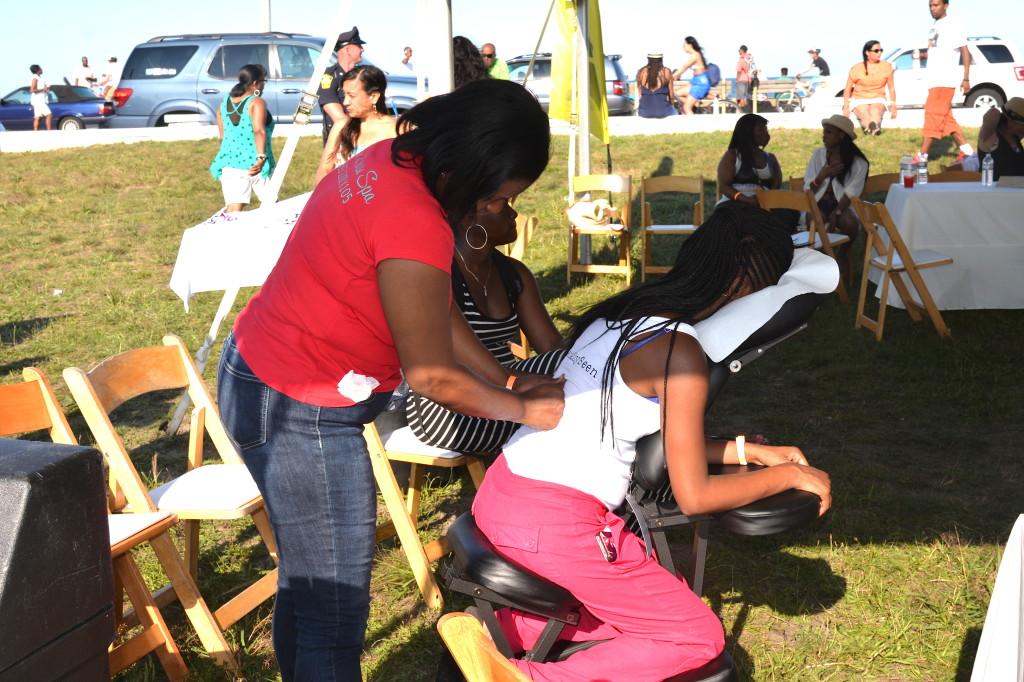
867,83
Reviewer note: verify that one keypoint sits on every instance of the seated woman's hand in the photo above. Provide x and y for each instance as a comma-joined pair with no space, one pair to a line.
815,481
771,455
544,403
527,380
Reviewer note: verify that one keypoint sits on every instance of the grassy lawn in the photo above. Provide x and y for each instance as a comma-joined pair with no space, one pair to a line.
919,434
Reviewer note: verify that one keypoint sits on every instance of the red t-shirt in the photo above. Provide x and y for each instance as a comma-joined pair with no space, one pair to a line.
319,314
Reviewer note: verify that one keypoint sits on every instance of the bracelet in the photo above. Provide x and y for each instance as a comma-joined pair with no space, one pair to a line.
740,454
737,196
511,381
261,157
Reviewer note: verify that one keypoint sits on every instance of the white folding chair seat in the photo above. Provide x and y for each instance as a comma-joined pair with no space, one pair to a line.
209,488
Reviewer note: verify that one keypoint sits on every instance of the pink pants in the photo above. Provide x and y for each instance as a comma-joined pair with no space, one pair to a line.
656,626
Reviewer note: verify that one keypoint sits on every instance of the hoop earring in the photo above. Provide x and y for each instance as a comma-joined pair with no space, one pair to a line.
482,229
257,92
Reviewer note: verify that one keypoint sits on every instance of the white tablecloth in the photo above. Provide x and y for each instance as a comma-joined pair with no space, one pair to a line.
235,249
981,228
1001,650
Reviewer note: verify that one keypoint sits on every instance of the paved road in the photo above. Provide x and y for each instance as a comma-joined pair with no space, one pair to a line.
619,125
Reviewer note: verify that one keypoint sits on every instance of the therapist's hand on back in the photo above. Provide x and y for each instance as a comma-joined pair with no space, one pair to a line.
543,403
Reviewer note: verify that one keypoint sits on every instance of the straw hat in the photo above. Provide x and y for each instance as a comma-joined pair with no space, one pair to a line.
1014,109
841,122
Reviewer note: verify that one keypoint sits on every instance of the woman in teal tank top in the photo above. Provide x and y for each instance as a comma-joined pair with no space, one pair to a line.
245,160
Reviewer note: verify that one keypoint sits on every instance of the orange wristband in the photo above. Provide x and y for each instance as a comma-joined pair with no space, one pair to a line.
511,381
737,196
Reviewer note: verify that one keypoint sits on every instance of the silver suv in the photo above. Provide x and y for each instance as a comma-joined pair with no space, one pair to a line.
617,90
192,74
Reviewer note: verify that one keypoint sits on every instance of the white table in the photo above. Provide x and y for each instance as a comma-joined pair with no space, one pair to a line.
981,228
1001,650
233,250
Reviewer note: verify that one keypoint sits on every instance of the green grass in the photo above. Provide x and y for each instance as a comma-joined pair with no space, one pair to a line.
919,434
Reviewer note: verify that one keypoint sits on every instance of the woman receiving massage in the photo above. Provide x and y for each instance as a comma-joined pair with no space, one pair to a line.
635,367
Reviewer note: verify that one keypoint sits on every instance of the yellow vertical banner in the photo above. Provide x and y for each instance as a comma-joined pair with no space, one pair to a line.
563,58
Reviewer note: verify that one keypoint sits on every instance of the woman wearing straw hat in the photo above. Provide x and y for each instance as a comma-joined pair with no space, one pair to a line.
1000,136
836,173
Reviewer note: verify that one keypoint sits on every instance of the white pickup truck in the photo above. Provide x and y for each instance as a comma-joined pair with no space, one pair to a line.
997,74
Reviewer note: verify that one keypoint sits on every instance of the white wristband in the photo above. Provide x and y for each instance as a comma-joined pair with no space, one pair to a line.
740,455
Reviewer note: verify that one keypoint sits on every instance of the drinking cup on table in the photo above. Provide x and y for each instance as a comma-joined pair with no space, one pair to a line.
908,181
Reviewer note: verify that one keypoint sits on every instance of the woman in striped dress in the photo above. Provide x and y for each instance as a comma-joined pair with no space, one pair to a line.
494,296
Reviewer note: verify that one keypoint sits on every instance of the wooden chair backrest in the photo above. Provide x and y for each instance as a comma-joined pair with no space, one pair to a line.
473,650
616,184
32,406
955,176
796,183
797,201
880,182
131,374
673,183
871,218
876,215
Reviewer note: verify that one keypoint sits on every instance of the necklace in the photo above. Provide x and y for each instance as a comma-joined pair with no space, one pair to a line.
490,266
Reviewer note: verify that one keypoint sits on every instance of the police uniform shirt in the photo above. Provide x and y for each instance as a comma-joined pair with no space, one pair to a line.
330,92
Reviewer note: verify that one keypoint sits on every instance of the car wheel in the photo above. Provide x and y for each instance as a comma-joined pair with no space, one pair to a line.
984,98
70,123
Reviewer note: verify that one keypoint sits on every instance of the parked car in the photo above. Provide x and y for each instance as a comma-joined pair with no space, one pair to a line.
619,102
74,107
997,74
192,74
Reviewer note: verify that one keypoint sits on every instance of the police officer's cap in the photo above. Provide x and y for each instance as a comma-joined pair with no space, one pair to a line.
349,38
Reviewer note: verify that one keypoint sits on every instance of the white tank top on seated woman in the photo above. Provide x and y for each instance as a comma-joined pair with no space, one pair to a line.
574,454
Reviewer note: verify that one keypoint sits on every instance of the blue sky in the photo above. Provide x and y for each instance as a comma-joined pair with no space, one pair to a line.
779,32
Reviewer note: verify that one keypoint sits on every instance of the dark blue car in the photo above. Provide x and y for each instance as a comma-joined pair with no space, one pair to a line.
73,107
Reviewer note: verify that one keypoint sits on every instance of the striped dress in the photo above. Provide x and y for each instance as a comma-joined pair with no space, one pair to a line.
438,426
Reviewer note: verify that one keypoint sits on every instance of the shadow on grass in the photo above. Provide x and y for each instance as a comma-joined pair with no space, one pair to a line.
20,331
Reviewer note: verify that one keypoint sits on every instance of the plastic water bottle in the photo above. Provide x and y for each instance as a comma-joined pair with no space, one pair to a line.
907,170
988,171
922,169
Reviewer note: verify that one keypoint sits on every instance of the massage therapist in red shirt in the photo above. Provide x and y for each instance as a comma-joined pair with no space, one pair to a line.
361,289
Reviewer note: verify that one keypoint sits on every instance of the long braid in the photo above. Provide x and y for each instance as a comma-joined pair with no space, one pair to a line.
738,243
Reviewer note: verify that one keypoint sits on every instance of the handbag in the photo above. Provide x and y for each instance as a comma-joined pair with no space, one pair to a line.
595,213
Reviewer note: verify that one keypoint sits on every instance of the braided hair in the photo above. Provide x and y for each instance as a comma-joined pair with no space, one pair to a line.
738,243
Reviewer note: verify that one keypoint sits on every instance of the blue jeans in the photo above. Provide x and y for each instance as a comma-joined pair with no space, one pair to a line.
313,469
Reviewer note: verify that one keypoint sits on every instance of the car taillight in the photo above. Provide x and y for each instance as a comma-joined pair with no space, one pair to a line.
1019,72
121,96
106,109
618,88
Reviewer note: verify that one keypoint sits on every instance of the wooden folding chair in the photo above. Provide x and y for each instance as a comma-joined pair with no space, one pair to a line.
32,406
816,236
658,185
614,184
474,651
955,176
880,183
796,183
890,255
205,491
401,445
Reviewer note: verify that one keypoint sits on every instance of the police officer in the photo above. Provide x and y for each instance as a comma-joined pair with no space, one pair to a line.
349,49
